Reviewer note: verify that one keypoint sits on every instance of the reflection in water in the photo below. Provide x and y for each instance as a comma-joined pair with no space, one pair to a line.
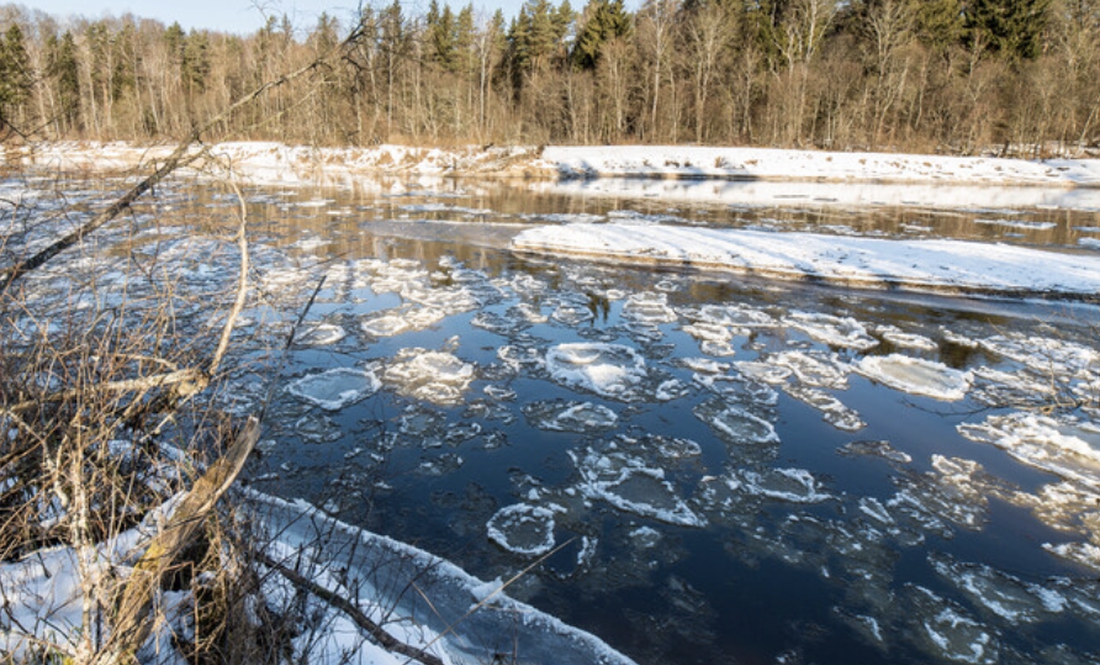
743,471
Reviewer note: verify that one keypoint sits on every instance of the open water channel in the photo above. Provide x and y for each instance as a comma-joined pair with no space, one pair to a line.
716,469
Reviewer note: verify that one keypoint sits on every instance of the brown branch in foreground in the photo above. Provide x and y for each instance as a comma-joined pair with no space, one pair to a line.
132,624
376,631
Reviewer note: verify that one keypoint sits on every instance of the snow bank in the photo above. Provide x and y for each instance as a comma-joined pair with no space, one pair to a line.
378,574
268,162
950,266
771,163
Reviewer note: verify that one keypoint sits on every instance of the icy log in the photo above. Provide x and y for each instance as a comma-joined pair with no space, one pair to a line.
133,622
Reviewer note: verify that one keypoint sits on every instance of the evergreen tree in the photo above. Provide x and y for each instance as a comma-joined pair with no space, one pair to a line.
603,20
15,78
439,29
64,71
939,23
1010,28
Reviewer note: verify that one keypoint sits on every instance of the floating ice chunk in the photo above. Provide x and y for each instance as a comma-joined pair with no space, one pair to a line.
611,370
1004,595
645,537
950,633
736,425
916,376
836,413
730,316
793,485
317,428
1085,554
320,334
873,508
567,416
709,332
448,300
648,309
864,624
1021,387
573,310
336,388
1046,356
766,372
402,320
395,275
814,369
626,483
703,365
523,529
1067,506
958,491
645,492
900,338
836,331
881,449
1064,446
433,376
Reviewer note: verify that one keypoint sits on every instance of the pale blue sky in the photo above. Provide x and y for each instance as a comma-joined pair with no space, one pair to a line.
244,16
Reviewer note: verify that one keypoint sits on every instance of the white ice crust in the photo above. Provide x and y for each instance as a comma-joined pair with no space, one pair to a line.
937,265
336,388
916,376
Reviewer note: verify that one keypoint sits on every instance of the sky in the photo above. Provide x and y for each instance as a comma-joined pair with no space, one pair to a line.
242,16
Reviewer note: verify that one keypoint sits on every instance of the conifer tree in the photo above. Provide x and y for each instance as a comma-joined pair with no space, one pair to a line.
1010,28
15,75
602,21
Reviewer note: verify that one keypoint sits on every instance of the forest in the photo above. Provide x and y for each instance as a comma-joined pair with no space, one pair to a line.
1017,77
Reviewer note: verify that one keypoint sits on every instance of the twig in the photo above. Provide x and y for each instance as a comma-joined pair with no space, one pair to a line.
376,631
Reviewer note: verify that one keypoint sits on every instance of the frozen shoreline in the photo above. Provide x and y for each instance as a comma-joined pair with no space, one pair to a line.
276,163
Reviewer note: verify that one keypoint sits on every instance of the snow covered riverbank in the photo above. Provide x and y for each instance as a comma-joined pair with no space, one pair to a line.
276,163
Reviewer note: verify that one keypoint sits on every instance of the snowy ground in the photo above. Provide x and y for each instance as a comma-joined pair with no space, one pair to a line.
278,163
467,620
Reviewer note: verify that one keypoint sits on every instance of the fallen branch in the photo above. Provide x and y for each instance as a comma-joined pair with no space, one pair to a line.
133,622
387,641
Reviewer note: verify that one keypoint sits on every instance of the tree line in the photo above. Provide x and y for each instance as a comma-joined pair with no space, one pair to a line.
921,75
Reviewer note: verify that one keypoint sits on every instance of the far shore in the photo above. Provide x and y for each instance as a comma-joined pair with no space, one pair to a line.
278,163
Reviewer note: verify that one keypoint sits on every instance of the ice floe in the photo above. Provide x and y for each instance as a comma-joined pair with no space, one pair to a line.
400,321
736,425
791,485
523,529
570,416
935,264
949,631
336,388
611,370
1000,593
916,376
1064,445
624,481
434,376
832,330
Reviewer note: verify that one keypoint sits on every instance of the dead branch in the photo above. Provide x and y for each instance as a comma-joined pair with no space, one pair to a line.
376,631
242,285
132,623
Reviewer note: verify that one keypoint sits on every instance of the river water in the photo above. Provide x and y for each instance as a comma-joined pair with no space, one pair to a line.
704,468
